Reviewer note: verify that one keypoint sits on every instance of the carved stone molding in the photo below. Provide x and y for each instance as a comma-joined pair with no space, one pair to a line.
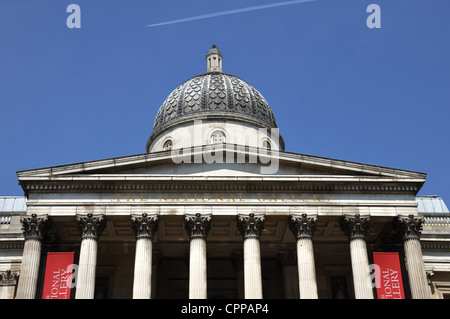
355,226
144,226
302,226
408,227
198,225
35,227
250,225
9,277
90,226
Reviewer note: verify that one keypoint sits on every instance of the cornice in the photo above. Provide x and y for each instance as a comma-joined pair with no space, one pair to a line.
189,183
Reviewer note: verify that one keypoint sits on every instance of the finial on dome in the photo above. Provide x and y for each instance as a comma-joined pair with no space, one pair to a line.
214,60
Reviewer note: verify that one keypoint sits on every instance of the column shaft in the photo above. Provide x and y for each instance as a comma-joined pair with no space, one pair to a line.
252,269
29,270
142,286
85,287
360,269
306,269
416,270
197,269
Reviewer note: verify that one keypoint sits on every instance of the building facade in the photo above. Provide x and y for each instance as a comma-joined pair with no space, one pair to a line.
216,208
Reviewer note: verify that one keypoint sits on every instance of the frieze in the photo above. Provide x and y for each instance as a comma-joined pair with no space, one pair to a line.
223,197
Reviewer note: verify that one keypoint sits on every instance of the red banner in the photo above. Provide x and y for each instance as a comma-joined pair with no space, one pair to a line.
388,276
58,276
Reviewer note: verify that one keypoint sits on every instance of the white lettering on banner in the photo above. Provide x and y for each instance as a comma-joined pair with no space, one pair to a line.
391,284
60,287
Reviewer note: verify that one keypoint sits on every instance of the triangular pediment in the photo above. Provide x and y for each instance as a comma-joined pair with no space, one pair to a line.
162,169
229,162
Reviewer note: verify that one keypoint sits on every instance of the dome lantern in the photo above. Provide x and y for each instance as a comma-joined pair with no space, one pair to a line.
214,60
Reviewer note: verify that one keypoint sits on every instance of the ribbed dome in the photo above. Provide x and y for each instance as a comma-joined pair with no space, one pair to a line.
214,95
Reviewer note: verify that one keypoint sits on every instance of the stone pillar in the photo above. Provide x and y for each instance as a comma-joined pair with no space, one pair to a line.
410,228
144,227
356,227
250,227
197,227
303,228
34,229
90,228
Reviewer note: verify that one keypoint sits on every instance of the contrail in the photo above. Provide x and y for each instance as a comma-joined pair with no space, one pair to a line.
216,14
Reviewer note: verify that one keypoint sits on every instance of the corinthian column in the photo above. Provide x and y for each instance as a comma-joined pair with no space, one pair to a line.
250,227
197,227
303,228
34,229
410,228
356,227
90,228
144,227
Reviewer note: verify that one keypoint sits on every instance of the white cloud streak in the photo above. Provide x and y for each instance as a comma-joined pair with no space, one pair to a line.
222,13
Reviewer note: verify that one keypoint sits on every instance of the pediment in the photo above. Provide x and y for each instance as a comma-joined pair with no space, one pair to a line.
239,166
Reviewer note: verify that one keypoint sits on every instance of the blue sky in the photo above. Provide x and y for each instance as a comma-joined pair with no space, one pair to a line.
338,88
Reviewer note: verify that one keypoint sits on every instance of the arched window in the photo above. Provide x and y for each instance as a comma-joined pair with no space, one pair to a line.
218,137
266,144
167,146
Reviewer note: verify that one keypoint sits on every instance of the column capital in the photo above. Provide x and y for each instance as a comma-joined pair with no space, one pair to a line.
409,227
355,226
302,226
144,226
250,225
91,226
198,225
9,277
34,227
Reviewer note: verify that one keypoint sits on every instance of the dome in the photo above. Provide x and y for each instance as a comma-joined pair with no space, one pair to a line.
214,95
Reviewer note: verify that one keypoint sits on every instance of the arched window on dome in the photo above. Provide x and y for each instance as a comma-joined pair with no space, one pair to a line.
266,144
218,137
167,146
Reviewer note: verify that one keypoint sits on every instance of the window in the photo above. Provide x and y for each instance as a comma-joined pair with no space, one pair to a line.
266,144
217,137
167,146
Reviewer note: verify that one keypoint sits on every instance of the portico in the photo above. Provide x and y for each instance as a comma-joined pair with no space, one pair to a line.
192,232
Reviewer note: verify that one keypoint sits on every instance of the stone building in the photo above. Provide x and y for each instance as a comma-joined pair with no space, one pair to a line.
216,208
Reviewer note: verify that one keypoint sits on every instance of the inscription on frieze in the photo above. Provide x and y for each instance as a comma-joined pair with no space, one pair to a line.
173,197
